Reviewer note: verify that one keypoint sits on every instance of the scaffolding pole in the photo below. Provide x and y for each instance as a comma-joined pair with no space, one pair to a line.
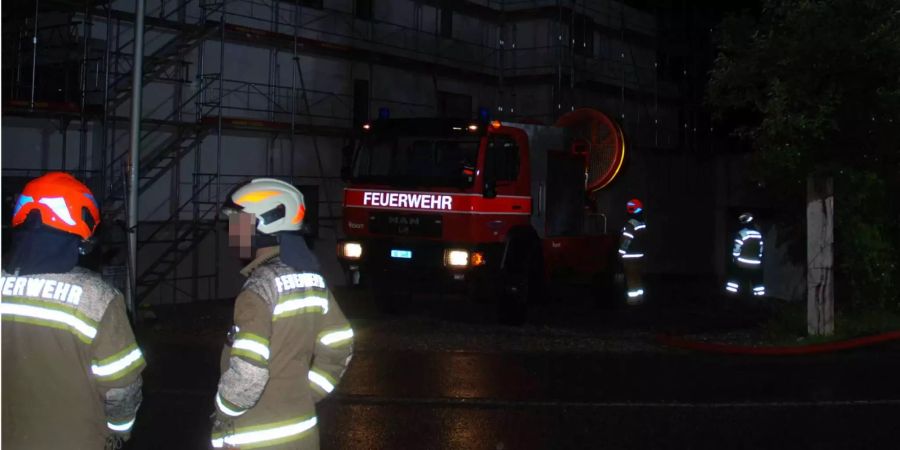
315,140
298,10
105,138
219,150
87,28
137,83
198,151
34,40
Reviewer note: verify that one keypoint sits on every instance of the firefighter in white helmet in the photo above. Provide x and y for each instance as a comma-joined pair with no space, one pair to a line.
71,367
290,343
745,272
631,250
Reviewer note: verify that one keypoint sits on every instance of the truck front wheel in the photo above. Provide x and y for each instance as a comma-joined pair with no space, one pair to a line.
522,283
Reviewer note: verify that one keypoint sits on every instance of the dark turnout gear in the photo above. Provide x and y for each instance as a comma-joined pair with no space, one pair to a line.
290,346
745,271
631,250
71,367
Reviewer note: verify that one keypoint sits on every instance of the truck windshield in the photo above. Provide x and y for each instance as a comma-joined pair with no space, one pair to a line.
417,161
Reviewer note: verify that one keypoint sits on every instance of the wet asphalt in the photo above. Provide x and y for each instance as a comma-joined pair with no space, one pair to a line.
444,376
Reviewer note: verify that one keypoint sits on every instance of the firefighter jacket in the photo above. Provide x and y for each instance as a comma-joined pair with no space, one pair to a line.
748,247
291,346
630,244
71,367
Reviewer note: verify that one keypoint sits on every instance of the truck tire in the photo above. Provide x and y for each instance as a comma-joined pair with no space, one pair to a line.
608,286
522,283
605,290
479,293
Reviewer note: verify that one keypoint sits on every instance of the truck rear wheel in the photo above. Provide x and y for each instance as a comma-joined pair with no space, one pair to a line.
605,290
522,284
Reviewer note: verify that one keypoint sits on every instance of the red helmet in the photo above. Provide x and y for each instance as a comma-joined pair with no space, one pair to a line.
634,206
64,203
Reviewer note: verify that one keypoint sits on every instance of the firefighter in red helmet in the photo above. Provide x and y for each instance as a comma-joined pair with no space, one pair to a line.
631,250
71,367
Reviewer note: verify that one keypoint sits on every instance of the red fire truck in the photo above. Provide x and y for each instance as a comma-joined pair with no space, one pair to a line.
493,209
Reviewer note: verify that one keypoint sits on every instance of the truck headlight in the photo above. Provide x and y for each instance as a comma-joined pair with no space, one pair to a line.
350,250
456,258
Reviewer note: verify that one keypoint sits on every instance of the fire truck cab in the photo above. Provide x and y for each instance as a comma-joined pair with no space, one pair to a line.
495,210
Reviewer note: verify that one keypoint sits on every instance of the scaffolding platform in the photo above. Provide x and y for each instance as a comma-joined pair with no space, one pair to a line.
270,126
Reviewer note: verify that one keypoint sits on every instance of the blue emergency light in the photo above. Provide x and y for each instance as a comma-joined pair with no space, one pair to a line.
484,114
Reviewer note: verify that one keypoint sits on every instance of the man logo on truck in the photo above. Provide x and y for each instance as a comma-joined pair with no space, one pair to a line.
405,200
402,220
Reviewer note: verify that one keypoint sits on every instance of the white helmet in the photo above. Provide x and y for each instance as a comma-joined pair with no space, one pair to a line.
745,217
277,205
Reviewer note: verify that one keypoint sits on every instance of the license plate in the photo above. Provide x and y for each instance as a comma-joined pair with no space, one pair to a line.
402,254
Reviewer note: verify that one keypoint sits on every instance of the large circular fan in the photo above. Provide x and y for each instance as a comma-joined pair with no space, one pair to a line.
600,140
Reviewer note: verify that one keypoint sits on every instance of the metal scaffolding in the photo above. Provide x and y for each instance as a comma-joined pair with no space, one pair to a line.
588,50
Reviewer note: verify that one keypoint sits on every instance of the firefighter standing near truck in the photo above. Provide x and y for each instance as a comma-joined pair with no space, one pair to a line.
631,250
71,367
290,343
745,272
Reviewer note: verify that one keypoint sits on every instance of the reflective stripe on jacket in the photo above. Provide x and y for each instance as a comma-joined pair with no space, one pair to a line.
748,247
630,244
71,366
291,347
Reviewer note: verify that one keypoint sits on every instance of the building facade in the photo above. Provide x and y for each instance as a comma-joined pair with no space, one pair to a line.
246,88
